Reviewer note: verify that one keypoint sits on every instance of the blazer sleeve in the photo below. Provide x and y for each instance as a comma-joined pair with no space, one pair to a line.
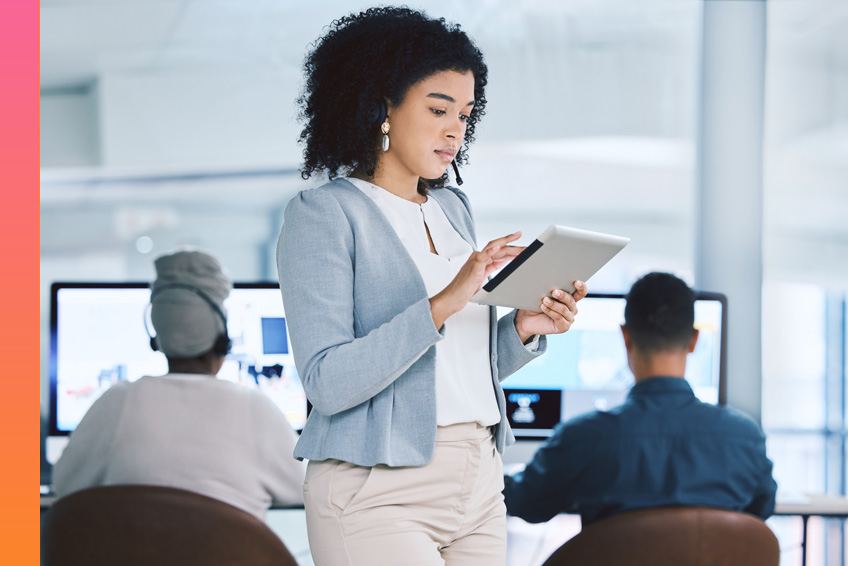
512,353
316,262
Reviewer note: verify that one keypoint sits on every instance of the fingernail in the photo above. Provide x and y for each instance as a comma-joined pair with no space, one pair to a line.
546,300
557,293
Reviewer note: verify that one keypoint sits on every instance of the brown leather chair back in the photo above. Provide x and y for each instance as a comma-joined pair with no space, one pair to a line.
140,525
672,536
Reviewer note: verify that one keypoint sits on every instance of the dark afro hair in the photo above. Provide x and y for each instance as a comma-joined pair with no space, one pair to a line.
660,313
364,60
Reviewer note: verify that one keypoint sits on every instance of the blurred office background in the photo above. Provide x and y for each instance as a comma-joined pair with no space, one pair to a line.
167,122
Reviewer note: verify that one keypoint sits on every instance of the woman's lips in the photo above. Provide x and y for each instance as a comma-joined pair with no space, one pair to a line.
447,155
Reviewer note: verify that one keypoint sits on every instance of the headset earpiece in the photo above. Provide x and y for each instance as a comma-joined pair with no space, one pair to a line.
222,345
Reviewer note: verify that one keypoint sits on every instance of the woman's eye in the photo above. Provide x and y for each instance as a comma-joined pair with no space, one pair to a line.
463,117
437,112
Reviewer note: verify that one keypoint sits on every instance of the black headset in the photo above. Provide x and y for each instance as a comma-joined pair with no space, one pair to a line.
222,345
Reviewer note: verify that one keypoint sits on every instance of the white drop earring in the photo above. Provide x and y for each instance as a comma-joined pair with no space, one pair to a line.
385,129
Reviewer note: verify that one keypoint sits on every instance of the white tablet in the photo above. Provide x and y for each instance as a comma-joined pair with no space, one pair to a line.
557,258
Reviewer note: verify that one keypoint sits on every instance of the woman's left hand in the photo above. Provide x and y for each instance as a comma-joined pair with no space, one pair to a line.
556,315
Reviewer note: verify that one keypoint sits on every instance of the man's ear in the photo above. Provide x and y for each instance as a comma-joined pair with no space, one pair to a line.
626,335
693,341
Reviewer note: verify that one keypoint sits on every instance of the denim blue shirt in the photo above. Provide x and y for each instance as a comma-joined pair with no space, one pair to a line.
661,447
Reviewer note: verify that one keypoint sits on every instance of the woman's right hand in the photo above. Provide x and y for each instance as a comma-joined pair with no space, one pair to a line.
472,276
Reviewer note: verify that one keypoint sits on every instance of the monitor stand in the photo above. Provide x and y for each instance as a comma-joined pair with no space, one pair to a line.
53,448
521,452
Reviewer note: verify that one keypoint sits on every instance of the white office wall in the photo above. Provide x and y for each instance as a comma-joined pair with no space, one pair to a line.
69,127
199,119
573,87
114,233
840,85
806,144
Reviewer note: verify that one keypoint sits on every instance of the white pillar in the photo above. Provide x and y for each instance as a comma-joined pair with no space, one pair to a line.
729,184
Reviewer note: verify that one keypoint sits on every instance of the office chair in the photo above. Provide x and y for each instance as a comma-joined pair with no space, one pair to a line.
672,536
141,525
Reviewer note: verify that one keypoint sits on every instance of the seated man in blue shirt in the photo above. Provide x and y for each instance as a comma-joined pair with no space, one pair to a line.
662,447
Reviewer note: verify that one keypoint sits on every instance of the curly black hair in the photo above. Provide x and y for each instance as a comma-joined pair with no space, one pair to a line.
364,60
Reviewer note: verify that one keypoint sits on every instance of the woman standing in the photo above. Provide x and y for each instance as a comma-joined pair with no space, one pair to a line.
376,268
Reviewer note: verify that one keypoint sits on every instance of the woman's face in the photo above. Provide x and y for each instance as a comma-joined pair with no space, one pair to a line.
428,127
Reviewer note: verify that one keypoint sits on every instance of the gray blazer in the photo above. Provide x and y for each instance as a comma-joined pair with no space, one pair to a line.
361,330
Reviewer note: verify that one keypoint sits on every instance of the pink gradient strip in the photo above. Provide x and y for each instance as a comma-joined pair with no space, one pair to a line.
19,279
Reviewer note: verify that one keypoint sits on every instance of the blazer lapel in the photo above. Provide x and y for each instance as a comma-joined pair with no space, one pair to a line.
455,214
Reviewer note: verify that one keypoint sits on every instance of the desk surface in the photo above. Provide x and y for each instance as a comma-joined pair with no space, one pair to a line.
48,499
822,505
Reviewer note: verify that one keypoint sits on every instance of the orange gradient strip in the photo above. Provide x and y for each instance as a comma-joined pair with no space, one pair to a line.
19,281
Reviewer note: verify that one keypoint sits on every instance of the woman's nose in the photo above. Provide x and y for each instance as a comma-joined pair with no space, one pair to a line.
455,129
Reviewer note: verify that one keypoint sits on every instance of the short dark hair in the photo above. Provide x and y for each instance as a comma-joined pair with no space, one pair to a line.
365,60
660,313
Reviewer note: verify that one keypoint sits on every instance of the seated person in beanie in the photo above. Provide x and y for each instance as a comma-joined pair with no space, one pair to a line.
187,429
662,447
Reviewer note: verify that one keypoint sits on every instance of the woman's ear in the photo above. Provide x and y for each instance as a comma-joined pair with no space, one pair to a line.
380,112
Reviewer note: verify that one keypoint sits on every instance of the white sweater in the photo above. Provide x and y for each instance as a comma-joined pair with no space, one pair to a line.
187,431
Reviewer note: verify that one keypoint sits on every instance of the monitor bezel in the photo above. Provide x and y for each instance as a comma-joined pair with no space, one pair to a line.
722,365
55,287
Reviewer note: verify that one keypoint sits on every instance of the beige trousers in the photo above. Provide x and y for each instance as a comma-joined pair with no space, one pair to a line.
449,512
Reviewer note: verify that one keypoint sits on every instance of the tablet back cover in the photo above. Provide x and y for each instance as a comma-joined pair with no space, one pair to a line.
554,260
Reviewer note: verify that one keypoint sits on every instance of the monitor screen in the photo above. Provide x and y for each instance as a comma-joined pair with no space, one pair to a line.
98,338
586,368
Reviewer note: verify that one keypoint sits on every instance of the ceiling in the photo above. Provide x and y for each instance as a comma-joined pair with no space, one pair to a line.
83,39
86,42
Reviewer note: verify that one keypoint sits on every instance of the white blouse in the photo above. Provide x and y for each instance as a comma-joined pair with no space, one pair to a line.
464,389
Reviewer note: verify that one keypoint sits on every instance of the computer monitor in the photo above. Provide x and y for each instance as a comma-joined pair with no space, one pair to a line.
586,368
98,338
